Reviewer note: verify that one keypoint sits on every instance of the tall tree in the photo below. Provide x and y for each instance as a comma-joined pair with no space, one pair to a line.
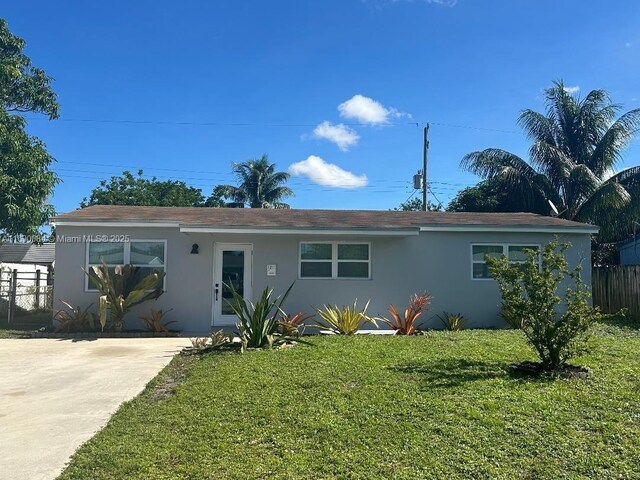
488,196
577,146
128,189
25,178
259,185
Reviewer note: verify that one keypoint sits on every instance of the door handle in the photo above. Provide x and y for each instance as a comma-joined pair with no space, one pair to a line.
216,290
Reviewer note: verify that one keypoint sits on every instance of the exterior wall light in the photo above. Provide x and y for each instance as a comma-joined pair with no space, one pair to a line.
194,249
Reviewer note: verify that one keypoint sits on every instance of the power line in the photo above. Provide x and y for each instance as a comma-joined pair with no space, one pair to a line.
265,124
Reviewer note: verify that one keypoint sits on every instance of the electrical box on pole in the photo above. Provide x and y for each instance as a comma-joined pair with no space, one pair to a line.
417,180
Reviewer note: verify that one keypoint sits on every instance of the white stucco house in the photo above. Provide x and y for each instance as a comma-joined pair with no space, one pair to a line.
334,256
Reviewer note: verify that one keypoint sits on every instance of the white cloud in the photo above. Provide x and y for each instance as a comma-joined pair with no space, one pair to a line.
572,90
367,110
340,134
327,174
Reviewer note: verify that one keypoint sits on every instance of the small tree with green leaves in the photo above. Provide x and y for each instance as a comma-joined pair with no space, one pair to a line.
121,290
530,296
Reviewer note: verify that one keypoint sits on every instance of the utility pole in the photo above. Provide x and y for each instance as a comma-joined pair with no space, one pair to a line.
424,167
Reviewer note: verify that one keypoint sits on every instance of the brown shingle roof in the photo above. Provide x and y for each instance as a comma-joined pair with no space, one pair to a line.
320,219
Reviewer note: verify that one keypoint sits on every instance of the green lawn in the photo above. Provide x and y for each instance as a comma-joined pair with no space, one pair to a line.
22,326
436,406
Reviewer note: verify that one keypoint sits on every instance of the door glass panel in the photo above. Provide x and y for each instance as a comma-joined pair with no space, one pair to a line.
232,274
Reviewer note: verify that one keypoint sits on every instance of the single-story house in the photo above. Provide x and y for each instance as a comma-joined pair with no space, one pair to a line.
629,251
29,260
333,256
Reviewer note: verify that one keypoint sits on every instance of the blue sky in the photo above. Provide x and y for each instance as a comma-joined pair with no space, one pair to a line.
183,89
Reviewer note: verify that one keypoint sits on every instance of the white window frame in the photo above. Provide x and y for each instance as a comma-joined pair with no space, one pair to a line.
334,260
127,259
505,252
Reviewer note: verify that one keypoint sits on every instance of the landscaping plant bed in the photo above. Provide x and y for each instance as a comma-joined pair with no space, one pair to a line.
131,334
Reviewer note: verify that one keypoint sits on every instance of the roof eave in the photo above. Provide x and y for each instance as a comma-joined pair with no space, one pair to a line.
590,229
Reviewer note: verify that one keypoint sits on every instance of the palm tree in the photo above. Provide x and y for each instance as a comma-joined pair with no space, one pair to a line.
576,148
260,185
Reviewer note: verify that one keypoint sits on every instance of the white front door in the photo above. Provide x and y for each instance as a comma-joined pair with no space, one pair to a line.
231,266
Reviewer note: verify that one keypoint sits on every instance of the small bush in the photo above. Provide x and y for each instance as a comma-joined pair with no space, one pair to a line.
530,301
293,325
154,322
258,324
346,320
454,322
75,319
214,340
406,325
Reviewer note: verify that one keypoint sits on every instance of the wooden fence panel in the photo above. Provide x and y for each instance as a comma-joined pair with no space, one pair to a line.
617,287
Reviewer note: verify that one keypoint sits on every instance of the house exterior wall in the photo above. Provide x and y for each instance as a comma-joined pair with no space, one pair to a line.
630,253
436,262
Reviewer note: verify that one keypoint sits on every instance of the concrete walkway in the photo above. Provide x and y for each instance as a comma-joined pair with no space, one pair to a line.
56,394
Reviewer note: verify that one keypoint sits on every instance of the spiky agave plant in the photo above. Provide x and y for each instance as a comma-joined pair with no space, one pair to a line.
406,324
258,323
453,322
292,325
345,320
154,321
74,319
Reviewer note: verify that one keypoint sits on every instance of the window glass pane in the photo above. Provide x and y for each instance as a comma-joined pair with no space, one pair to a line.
147,253
480,251
353,251
315,251
481,270
518,254
142,272
353,270
315,269
113,253
232,274
90,284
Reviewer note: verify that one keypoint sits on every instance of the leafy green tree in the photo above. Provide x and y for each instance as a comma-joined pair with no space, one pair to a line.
576,147
128,189
26,182
415,205
531,302
488,196
218,197
259,185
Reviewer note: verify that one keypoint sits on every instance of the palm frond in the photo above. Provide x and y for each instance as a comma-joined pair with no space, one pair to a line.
607,153
603,205
537,127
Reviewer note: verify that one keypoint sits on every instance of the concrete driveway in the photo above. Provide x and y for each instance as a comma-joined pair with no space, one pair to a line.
56,394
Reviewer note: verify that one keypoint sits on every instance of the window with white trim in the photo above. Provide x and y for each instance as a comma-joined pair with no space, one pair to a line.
516,253
335,260
147,255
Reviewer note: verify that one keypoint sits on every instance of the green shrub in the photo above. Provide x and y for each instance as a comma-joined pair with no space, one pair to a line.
154,321
453,322
346,320
120,291
531,301
75,319
258,324
293,325
214,340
